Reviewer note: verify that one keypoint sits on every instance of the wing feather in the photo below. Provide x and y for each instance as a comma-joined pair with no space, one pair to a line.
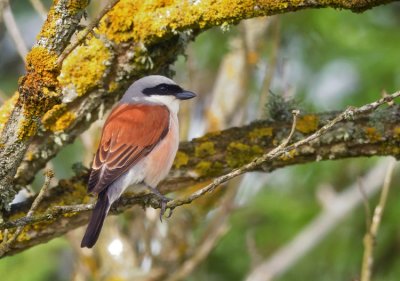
129,134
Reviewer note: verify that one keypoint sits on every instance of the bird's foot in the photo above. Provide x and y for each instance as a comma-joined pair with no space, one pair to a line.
164,200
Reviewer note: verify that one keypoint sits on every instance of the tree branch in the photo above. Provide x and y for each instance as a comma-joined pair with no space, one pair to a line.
362,132
38,91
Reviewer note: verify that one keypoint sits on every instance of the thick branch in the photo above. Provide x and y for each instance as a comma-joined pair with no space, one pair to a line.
37,90
376,133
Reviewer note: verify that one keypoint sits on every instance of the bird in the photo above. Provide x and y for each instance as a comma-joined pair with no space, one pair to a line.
138,144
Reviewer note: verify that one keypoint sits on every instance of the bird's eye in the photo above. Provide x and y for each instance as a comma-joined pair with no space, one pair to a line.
163,88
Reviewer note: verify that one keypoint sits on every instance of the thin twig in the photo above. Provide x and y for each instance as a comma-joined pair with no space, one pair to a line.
7,243
13,30
82,35
370,236
39,8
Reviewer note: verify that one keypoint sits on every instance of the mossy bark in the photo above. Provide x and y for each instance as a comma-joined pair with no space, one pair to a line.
375,134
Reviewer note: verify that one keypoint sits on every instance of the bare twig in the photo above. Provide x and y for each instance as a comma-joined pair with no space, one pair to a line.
39,8
309,237
13,30
370,236
7,243
82,35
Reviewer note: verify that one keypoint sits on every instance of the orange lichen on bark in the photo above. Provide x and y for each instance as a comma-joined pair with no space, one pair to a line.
373,134
42,62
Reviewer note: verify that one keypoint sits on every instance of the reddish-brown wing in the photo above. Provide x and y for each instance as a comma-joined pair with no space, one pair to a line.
129,134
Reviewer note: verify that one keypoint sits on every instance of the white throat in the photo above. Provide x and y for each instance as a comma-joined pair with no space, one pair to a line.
169,101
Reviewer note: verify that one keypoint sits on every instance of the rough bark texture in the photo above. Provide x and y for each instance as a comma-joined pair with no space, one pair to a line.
375,134
38,91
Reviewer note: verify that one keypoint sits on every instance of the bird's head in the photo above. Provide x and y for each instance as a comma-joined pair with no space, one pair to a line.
157,89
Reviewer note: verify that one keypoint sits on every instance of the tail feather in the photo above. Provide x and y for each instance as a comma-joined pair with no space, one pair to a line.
96,221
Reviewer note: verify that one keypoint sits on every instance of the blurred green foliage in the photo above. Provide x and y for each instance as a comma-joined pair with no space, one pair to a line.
369,43
44,262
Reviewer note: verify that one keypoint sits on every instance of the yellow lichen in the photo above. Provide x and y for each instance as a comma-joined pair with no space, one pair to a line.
181,159
396,132
203,168
54,113
113,86
142,21
6,110
307,123
63,122
208,168
239,154
84,68
260,133
28,128
204,149
289,155
74,6
58,118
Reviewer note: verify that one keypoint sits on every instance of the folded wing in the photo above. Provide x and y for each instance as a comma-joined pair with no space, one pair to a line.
129,134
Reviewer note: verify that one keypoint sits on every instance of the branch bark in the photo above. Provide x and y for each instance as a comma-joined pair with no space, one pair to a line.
373,133
38,91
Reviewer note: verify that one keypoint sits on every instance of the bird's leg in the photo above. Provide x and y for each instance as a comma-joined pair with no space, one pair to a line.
164,200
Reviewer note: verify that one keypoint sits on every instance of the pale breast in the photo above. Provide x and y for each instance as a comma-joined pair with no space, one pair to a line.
160,160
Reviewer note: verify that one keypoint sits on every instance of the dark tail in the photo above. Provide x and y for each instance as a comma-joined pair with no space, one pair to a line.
96,221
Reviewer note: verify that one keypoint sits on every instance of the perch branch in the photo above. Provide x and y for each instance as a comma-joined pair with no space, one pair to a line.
349,113
60,213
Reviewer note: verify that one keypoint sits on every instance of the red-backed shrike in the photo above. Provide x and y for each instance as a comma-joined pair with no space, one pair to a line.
139,142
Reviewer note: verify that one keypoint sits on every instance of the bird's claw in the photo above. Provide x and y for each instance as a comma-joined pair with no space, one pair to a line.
164,201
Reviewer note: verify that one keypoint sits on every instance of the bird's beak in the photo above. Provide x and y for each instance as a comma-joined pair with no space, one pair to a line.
185,95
